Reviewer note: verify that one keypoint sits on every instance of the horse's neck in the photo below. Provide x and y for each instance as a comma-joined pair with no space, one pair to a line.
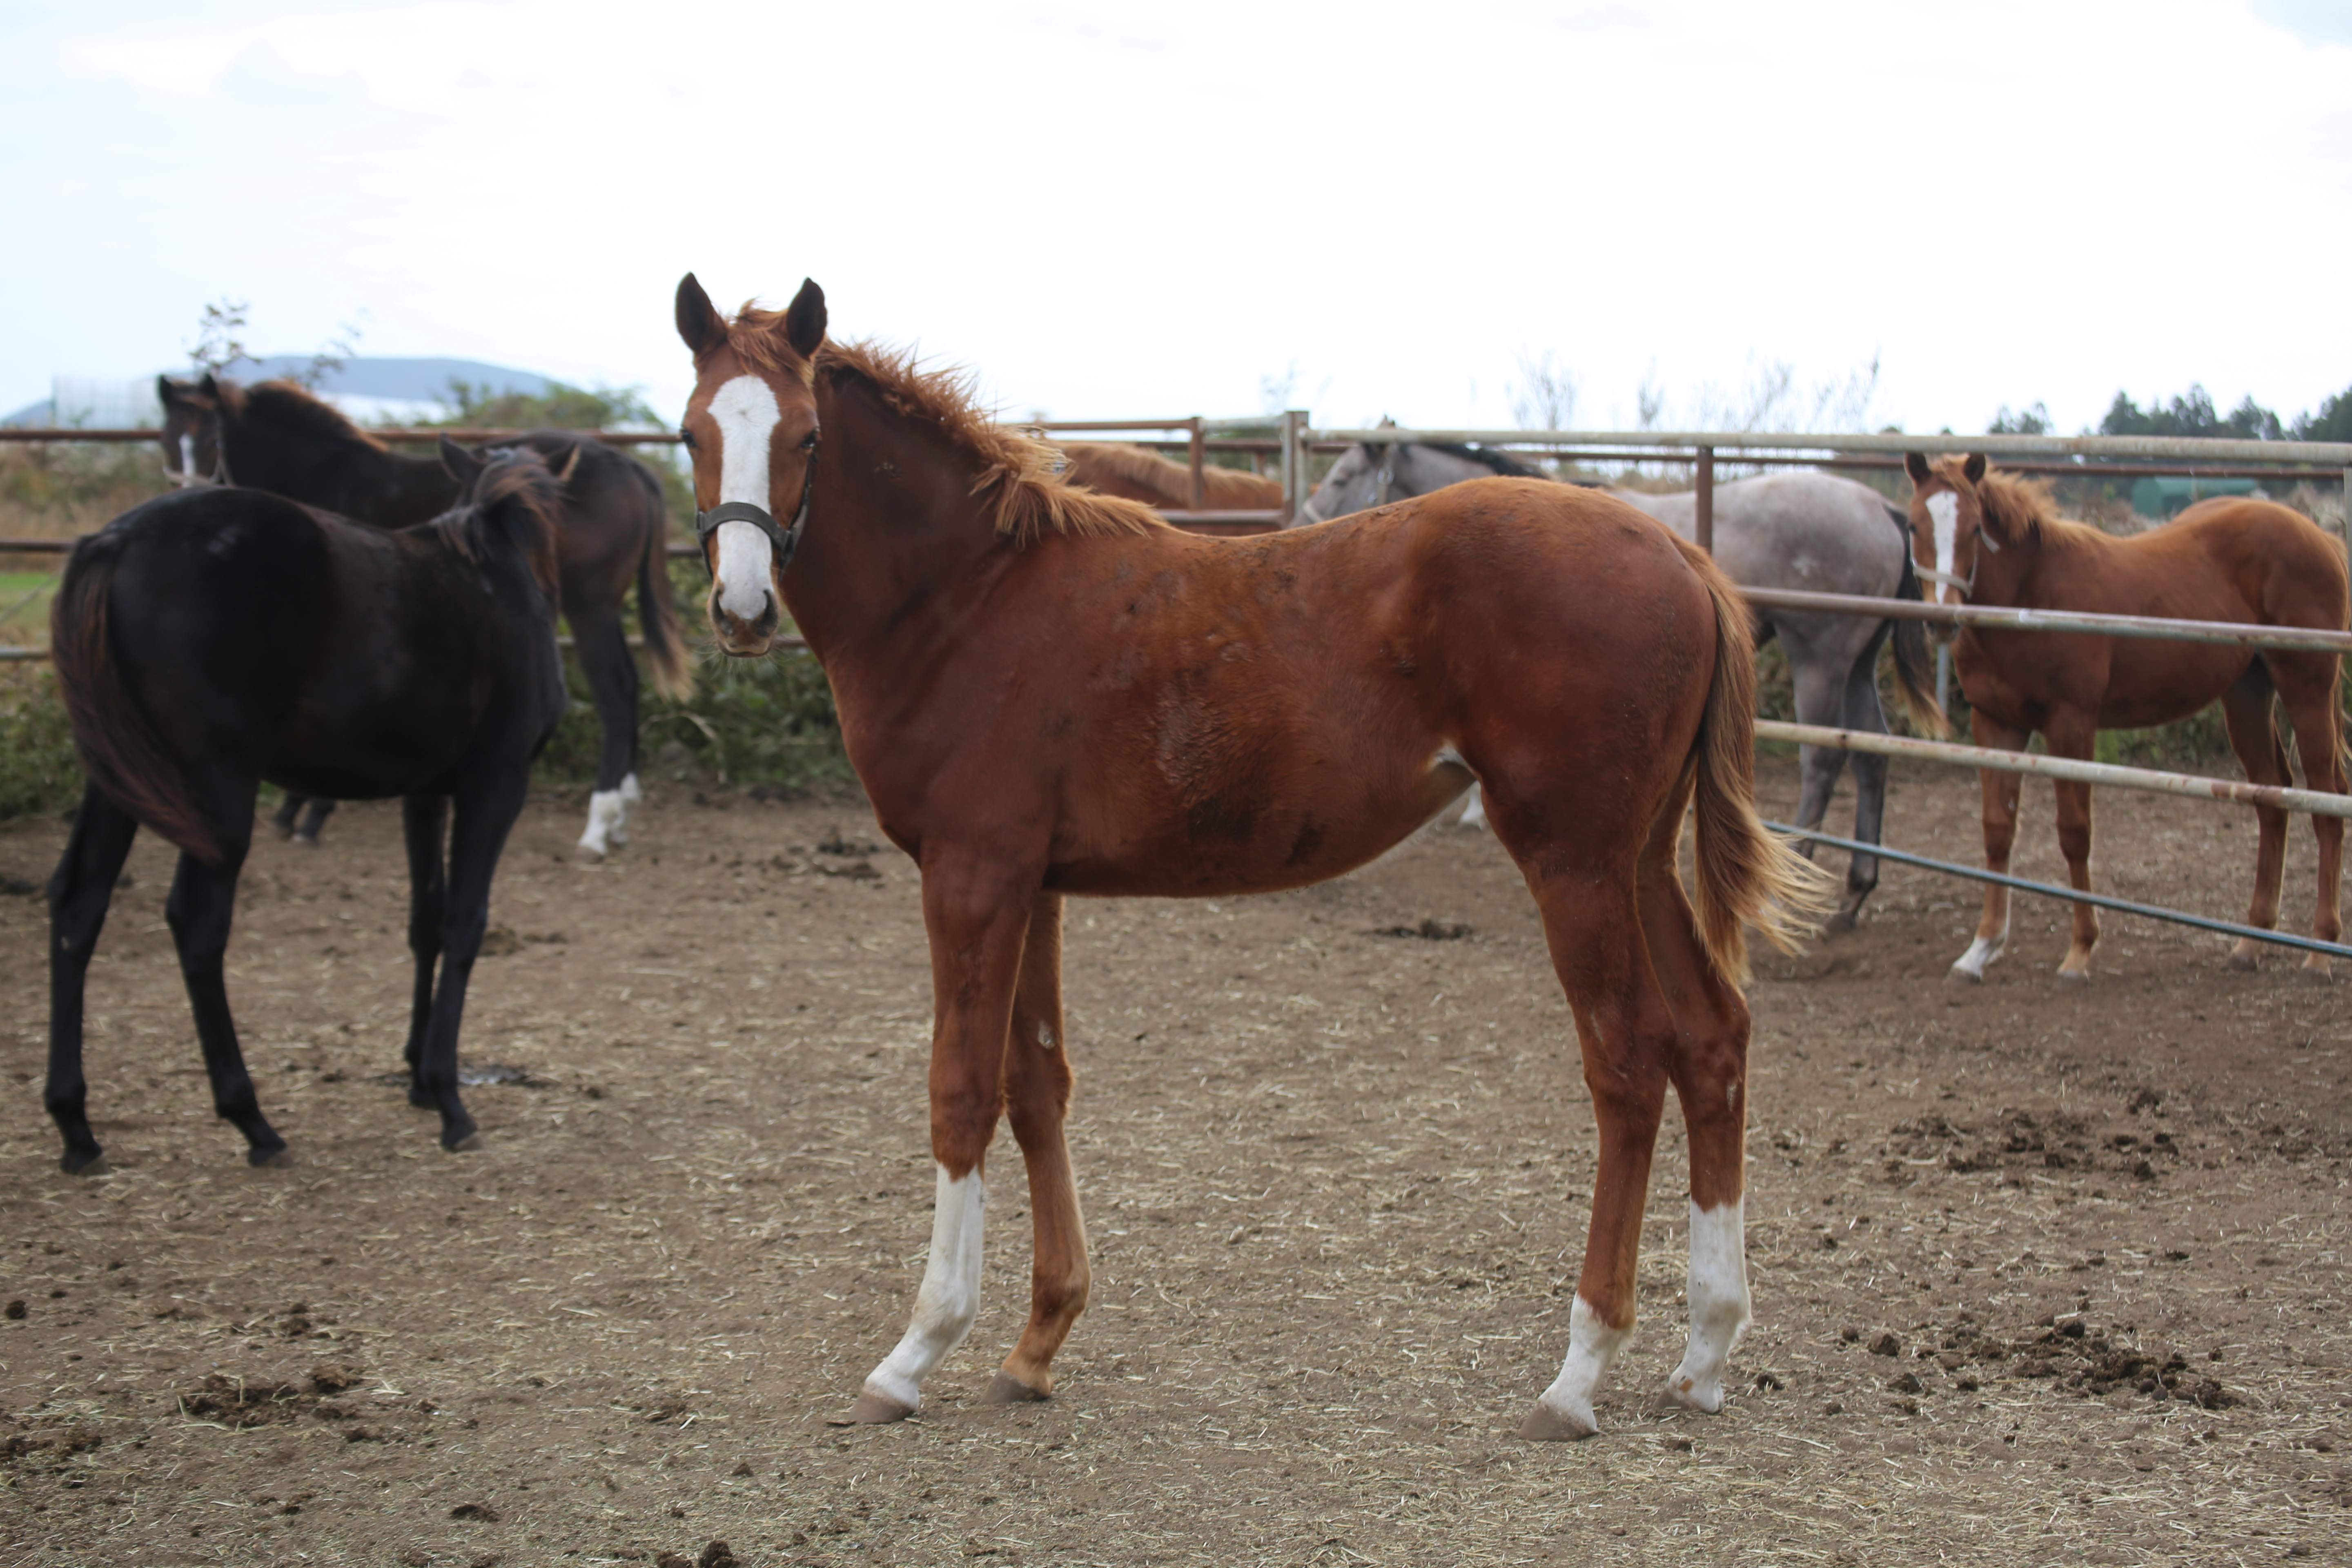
351,478
894,532
2012,575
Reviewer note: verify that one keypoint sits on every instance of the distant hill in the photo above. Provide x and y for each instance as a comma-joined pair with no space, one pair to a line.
368,388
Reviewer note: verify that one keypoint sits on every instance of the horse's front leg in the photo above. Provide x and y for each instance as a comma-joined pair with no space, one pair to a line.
2000,791
1037,1079
977,917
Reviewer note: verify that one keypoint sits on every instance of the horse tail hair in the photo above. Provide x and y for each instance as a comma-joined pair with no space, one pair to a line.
1748,875
121,749
665,647
1911,676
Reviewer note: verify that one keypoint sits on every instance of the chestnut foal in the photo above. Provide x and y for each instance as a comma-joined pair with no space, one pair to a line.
1049,692
1984,537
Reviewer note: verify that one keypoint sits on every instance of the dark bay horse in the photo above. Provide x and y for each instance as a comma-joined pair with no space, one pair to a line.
1985,537
213,638
1119,468
1794,530
612,532
1049,692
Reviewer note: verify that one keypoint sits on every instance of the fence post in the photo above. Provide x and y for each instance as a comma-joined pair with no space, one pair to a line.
1703,523
1294,464
1199,456
2347,501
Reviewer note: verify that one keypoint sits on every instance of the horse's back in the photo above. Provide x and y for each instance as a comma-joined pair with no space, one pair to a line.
1803,530
2292,571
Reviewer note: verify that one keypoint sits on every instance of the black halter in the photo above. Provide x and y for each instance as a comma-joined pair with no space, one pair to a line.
784,539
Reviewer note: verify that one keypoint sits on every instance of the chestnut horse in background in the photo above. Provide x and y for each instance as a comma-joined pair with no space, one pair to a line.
1119,468
1049,692
612,531
1990,538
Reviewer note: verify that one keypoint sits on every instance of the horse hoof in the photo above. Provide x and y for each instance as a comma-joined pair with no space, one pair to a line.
1546,1424
1686,1391
1010,1390
471,1144
1841,922
283,831
95,1166
2317,972
276,1159
2069,978
1956,975
2243,963
305,841
873,1409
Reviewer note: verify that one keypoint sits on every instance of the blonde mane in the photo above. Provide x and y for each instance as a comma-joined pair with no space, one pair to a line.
1172,481
1017,479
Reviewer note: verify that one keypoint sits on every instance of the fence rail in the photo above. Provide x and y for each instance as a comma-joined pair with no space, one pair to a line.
2051,891
2231,633
2316,802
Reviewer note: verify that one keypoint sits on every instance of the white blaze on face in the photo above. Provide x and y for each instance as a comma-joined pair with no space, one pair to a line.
187,457
1716,1289
950,1298
746,414
1944,515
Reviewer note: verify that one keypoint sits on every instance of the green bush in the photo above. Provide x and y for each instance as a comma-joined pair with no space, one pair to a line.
39,771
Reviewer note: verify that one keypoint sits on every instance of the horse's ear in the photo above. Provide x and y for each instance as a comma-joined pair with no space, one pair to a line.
1974,468
1915,465
804,320
463,466
167,391
698,320
209,386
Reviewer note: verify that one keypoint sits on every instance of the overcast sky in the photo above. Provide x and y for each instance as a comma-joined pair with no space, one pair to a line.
1110,211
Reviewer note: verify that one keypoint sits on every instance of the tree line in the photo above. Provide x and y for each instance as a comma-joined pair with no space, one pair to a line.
2193,414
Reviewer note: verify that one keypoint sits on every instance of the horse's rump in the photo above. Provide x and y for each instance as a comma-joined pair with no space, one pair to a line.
1121,469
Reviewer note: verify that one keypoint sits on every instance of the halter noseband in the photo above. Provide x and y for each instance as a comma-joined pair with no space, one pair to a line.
784,539
188,479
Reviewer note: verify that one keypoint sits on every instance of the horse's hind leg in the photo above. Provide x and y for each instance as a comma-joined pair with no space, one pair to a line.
2308,686
1037,1081
2253,735
1625,1025
1862,711
1820,679
290,811
202,904
313,822
612,677
1707,1063
80,891
424,821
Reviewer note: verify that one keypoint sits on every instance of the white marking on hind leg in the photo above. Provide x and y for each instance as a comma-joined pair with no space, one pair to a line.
1717,1288
1474,813
950,1298
1592,1345
630,793
604,815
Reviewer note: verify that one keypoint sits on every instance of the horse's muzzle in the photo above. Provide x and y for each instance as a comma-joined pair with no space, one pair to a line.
745,638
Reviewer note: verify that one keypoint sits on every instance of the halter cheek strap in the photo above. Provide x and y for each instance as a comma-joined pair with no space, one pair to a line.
785,539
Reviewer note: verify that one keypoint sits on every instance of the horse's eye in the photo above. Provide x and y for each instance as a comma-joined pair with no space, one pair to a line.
808,444
685,438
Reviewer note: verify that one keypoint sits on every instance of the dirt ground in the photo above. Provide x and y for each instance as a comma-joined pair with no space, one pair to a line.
2039,1274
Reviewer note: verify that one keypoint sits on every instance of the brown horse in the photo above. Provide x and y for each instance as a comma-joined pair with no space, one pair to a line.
613,531
1118,468
1050,692
1990,538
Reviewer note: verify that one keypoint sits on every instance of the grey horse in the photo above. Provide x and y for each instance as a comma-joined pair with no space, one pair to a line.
1792,529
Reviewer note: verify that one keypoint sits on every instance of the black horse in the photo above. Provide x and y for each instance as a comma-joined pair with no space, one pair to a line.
612,532
214,638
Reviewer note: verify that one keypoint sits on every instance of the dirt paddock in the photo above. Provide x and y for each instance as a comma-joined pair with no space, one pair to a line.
2039,1275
